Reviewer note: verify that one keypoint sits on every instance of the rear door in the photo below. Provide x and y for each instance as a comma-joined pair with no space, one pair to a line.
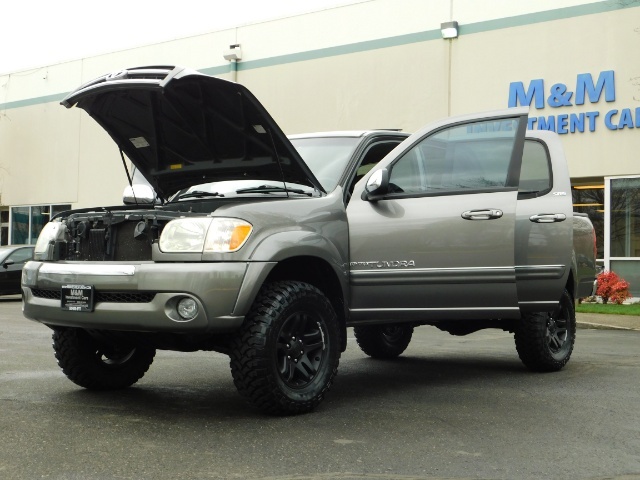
440,244
544,223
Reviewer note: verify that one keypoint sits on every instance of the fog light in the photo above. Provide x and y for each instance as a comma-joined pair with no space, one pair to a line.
187,308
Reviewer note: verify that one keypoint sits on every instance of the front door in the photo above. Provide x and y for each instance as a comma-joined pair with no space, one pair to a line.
440,244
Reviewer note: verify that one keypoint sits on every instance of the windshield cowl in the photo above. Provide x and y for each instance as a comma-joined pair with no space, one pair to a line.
243,188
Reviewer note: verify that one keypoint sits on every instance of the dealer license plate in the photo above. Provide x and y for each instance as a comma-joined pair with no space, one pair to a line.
77,298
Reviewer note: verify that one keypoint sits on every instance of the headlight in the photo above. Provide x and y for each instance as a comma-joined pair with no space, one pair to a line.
184,235
209,235
48,234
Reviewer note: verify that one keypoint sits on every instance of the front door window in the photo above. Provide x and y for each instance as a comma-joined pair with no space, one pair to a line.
464,158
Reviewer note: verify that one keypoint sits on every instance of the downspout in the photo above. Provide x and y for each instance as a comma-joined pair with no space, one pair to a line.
449,33
234,71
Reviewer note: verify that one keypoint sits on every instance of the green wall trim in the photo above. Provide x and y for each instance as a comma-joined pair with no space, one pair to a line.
28,102
547,16
213,71
369,45
342,50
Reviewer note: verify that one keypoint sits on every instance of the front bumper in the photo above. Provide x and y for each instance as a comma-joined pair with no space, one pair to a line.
137,296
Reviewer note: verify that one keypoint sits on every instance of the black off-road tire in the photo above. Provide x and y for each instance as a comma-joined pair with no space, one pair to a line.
545,340
383,341
286,355
96,366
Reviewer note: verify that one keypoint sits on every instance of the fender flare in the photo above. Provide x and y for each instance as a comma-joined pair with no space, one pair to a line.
283,246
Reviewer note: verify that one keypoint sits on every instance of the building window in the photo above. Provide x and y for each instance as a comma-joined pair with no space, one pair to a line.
4,226
625,217
27,222
589,199
624,230
20,225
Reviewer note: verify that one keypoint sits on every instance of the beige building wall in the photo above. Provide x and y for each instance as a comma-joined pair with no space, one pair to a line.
376,64
484,64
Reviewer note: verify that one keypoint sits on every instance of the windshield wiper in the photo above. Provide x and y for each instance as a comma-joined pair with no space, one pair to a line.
198,194
273,189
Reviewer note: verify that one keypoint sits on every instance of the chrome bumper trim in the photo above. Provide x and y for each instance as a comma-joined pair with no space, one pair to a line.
93,269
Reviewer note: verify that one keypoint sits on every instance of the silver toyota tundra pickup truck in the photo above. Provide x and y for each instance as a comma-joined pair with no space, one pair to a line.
267,248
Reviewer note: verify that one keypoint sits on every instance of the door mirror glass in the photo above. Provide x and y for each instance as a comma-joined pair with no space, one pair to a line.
377,185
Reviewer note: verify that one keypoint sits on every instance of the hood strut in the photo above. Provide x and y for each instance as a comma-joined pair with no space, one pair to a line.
124,164
275,152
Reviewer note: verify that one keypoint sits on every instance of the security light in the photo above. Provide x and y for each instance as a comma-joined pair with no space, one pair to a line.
233,53
449,29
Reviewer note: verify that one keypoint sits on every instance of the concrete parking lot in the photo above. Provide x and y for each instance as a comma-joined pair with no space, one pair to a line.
451,407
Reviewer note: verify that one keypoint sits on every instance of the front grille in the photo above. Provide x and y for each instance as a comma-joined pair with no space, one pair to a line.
111,297
50,294
124,297
118,242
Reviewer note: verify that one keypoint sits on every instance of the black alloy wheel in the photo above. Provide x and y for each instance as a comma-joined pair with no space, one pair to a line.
300,349
557,332
545,340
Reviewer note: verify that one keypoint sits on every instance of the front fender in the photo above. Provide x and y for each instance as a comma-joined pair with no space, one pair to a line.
285,246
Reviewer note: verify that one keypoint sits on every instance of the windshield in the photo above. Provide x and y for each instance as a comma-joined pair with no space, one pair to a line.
327,157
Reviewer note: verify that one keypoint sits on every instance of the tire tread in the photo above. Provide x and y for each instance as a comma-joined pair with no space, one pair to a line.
250,358
72,348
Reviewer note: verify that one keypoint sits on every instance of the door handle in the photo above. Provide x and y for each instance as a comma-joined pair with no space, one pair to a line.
484,214
548,217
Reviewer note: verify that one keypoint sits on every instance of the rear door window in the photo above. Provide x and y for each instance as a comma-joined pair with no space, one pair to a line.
535,173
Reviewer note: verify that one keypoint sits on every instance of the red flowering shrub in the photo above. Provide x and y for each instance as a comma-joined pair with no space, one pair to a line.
612,287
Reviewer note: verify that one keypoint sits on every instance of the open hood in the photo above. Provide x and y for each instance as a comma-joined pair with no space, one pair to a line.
181,128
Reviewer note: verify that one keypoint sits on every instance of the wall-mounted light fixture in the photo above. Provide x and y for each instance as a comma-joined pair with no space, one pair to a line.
449,29
234,52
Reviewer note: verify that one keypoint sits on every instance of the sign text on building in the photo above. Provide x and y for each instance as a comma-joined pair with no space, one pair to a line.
560,95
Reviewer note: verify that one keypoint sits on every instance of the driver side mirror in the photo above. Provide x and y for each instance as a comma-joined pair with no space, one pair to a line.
377,185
